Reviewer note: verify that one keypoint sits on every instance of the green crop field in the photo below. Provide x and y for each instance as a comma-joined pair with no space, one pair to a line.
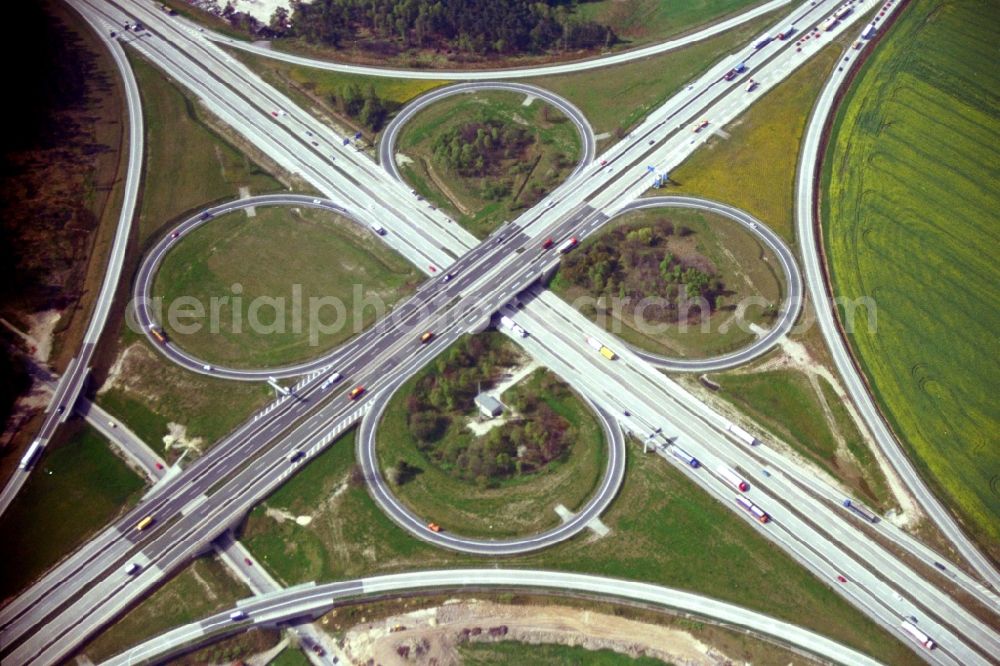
910,213
544,164
344,279
78,486
322,525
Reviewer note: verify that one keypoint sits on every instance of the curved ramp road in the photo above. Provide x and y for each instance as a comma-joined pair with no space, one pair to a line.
71,383
387,144
85,592
807,223
609,485
486,75
312,599
790,307
145,318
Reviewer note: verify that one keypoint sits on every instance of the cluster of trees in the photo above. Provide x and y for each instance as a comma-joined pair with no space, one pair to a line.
471,26
480,149
520,447
367,108
447,394
637,264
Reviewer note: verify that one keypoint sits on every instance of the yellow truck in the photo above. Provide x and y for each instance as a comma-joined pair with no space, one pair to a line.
604,351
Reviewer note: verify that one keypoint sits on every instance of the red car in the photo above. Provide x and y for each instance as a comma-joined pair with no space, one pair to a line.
547,244
433,269
841,579
604,162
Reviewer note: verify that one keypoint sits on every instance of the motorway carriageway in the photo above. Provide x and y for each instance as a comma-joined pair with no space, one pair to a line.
145,319
311,599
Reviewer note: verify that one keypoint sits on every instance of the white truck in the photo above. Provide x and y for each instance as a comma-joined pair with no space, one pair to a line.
29,457
742,434
512,326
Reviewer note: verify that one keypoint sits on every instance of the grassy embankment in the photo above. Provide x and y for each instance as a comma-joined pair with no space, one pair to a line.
615,99
660,525
78,485
204,587
334,259
754,168
610,97
188,165
315,90
518,505
746,268
290,657
818,426
543,165
639,22
912,185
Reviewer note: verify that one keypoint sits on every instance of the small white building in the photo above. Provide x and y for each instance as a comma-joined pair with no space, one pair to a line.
489,406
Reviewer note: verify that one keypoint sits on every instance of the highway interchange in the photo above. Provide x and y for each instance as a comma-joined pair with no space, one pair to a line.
216,490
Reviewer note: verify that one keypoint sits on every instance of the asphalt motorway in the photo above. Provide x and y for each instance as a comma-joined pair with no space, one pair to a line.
217,490
313,600
234,503
144,318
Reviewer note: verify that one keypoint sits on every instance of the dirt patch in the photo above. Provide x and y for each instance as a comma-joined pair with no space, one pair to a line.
445,190
27,405
40,334
177,438
281,515
433,635
42,331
